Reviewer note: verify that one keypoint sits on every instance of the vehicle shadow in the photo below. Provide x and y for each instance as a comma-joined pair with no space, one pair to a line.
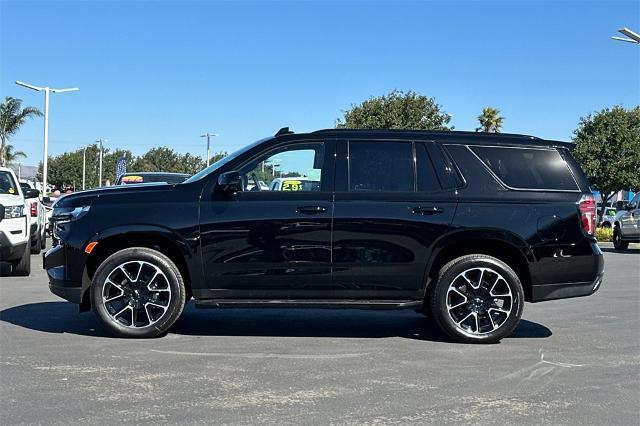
627,251
63,317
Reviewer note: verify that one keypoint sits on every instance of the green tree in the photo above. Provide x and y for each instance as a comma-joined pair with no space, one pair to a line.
608,149
12,117
12,155
397,110
490,120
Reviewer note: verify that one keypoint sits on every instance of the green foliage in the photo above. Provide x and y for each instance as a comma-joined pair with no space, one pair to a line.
604,234
65,170
490,120
608,149
12,117
11,155
397,110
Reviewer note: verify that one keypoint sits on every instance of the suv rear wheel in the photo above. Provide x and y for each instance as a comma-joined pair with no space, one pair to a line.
477,299
618,244
137,292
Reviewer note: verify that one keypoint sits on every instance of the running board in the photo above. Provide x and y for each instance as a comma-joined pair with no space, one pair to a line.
308,303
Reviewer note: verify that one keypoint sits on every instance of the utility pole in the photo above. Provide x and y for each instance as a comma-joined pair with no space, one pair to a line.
99,142
47,90
208,136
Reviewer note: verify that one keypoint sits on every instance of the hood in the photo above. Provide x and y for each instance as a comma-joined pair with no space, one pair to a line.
85,198
11,200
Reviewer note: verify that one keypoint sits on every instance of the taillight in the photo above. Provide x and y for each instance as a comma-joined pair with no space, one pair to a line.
587,207
34,209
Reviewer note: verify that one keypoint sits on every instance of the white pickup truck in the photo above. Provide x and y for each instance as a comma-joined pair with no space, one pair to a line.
15,223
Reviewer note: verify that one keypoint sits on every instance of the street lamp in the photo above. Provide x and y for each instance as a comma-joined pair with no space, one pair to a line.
100,142
84,164
208,136
633,37
47,90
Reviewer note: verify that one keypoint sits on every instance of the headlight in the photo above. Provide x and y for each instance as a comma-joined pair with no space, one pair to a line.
68,214
11,212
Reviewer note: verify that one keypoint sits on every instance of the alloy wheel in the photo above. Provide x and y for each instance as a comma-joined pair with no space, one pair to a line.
479,301
136,294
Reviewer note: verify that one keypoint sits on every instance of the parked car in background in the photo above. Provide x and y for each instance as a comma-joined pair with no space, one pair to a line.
15,222
626,224
47,203
301,183
149,177
38,221
606,221
391,220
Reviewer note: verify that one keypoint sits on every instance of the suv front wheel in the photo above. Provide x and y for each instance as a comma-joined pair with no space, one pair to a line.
477,299
137,292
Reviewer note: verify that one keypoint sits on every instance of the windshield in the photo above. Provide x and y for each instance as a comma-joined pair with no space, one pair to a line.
204,172
7,184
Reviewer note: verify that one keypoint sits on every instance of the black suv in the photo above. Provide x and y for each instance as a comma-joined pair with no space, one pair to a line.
463,227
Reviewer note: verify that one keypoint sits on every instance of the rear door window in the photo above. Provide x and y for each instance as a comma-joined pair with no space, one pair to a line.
527,168
378,166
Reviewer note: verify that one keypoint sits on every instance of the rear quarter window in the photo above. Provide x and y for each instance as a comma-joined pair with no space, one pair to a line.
527,168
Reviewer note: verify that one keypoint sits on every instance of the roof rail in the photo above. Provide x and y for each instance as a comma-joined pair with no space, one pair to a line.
283,131
443,132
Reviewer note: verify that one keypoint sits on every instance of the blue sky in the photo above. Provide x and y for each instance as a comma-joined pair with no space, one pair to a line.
162,73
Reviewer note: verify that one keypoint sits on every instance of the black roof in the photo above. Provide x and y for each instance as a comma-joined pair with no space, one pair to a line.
445,136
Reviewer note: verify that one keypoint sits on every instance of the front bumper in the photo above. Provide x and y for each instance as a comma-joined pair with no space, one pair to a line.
64,282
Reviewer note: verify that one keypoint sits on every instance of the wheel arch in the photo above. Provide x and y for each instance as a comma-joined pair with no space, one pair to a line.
156,238
503,245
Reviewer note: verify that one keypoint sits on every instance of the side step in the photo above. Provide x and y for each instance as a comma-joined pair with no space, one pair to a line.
309,303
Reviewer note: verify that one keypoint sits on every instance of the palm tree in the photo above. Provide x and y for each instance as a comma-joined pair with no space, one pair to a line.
12,155
12,117
490,120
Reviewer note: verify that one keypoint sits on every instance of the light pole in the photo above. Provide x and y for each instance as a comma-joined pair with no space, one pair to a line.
99,142
208,136
47,90
633,37
84,165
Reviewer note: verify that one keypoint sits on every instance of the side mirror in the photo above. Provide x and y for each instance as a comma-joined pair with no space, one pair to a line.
31,193
229,183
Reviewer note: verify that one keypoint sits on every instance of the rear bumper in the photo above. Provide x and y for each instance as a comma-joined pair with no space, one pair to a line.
576,275
565,290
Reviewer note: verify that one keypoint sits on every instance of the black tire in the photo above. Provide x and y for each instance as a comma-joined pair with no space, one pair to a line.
606,225
23,267
119,326
43,240
486,311
618,244
36,247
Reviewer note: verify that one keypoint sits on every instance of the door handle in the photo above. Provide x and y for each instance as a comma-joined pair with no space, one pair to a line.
427,211
311,209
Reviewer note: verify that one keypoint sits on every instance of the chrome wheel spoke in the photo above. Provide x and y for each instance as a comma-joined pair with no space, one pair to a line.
479,301
140,287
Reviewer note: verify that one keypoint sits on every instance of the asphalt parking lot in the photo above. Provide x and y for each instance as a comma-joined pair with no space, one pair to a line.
571,361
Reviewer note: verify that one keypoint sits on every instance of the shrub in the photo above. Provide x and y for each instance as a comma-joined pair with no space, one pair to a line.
604,234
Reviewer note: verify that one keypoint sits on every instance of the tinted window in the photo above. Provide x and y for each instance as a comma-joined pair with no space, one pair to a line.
7,185
426,178
528,168
292,168
380,166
